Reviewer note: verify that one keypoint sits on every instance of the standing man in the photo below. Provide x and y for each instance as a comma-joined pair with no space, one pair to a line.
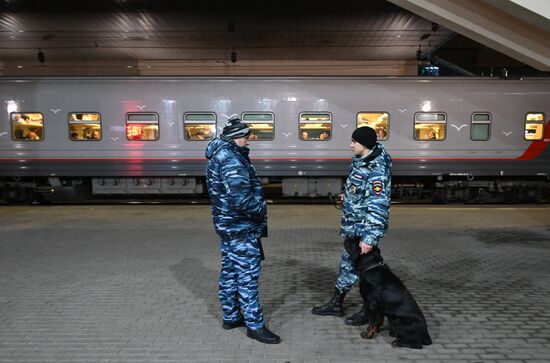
239,212
365,212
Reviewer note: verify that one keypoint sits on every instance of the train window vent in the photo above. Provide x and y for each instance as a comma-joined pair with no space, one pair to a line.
142,126
480,129
27,126
534,126
261,124
84,126
199,126
430,126
315,126
379,121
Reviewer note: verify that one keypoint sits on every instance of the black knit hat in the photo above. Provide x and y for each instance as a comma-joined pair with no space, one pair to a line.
366,136
235,129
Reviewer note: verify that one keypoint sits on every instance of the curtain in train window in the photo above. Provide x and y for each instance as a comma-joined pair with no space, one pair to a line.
27,126
481,126
430,126
141,126
84,126
379,121
261,125
534,126
315,126
199,126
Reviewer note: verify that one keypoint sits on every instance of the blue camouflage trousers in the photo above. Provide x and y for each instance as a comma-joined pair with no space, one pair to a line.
347,276
240,272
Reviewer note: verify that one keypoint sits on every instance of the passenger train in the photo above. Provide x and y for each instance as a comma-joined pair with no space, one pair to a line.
466,139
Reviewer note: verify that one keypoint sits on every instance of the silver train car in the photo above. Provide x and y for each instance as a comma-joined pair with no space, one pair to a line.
466,139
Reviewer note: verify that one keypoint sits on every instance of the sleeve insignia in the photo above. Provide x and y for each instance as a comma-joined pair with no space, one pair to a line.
377,187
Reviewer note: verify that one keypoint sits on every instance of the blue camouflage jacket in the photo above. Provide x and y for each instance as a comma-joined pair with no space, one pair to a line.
367,197
238,205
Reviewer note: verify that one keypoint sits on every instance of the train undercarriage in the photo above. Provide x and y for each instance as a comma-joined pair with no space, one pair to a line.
404,190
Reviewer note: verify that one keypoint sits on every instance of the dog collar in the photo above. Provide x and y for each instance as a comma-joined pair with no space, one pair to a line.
379,264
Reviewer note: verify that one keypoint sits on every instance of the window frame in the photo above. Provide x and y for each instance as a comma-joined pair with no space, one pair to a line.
215,123
473,122
435,122
315,112
25,140
542,122
84,122
142,122
387,127
266,122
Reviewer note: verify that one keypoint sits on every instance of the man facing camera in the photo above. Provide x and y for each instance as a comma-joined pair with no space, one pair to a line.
365,212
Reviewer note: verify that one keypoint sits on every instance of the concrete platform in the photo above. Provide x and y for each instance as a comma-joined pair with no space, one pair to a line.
139,284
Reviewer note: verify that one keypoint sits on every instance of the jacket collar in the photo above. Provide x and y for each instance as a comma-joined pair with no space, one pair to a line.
360,160
244,151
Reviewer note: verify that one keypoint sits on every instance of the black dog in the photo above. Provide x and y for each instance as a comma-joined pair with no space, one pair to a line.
385,295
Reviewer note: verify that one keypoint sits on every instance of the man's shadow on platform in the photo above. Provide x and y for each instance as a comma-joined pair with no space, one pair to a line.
282,282
201,281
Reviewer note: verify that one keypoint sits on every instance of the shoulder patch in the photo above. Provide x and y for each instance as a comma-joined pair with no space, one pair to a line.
377,187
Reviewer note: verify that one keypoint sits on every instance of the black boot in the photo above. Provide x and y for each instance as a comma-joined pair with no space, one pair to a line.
263,335
333,307
359,318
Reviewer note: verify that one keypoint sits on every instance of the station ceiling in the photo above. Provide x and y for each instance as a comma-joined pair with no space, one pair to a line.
131,37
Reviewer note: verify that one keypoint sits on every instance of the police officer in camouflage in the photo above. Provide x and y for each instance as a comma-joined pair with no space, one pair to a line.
365,212
239,212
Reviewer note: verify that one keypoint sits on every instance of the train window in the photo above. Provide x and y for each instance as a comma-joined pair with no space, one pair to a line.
27,126
84,126
430,126
534,126
142,126
260,124
199,126
379,121
315,126
481,126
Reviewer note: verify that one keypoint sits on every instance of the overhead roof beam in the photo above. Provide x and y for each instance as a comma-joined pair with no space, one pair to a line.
500,25
537,12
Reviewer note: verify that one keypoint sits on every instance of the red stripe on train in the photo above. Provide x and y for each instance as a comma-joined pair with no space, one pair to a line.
255,159
538,146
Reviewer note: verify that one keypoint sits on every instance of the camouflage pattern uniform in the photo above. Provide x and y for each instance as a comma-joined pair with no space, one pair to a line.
366,207
239,213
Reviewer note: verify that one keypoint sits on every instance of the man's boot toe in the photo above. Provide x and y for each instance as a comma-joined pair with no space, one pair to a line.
359,318
263,335
332,307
